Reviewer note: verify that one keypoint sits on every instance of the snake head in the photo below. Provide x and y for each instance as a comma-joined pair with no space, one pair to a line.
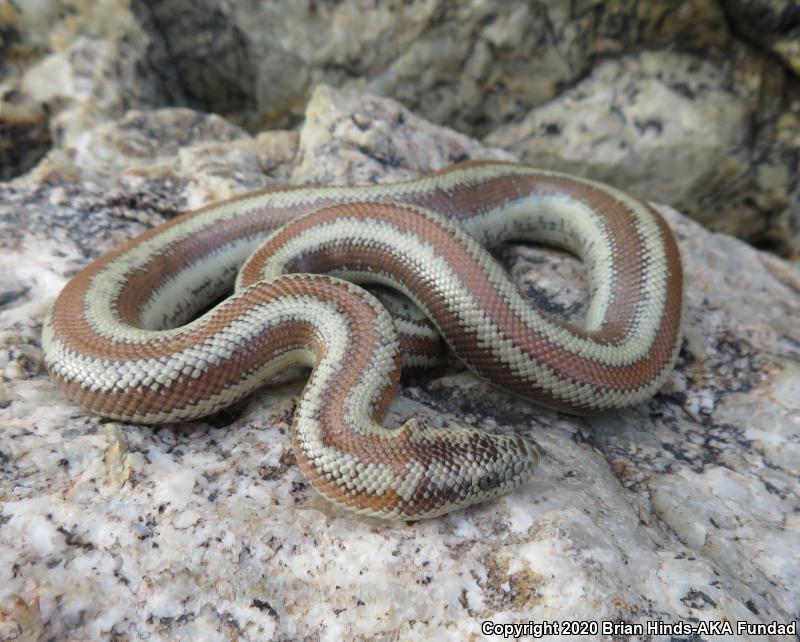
457,466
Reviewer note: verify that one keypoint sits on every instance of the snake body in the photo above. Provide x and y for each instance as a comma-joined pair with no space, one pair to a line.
125,340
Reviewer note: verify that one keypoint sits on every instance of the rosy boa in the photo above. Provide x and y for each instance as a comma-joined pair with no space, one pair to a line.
124,337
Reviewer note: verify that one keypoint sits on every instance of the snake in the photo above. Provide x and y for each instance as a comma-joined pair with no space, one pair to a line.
198,312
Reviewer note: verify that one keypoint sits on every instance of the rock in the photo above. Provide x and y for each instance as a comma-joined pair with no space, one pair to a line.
24,133
276,151
471,65
349,138
671,127
684,509
485,68
774,24
638,121
158,139
479,66
75,64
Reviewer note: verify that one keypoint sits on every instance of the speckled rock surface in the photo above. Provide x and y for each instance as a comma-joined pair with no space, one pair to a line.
693,133
683,509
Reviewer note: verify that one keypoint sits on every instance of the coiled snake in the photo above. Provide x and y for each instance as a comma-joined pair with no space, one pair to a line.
122,338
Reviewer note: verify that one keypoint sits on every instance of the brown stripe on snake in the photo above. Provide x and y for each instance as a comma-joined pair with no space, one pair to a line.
187,391
186,251
620,229
110,342
493,193
371,449
368,256
128,303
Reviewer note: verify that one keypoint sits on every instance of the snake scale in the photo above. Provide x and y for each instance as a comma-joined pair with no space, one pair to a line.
134,336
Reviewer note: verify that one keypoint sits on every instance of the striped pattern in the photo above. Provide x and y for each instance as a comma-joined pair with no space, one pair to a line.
123,340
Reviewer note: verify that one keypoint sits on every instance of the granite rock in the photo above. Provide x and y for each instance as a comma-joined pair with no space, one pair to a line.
684,508
470,65
74,64
486,68
703,136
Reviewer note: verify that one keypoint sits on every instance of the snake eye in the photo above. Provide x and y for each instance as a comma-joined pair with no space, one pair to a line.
489,480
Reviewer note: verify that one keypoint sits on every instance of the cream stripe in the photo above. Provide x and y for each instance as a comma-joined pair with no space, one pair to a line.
370,232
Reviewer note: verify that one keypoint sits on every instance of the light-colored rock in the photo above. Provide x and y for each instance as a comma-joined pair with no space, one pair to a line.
637,121
276,150
80,63
469,65
673,128
349,138
480,65
682,509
